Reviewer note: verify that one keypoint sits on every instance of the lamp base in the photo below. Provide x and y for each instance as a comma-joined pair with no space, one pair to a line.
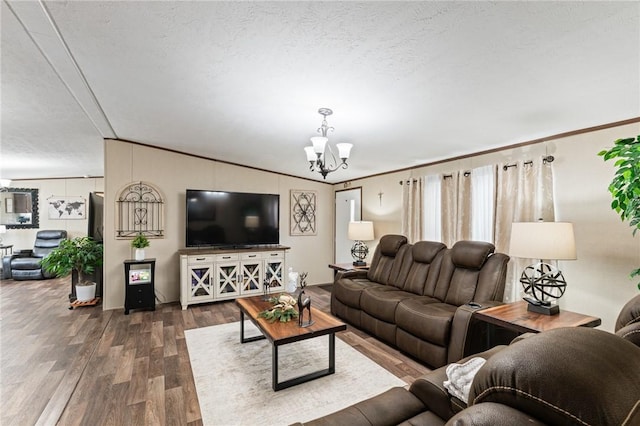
539,308
359,263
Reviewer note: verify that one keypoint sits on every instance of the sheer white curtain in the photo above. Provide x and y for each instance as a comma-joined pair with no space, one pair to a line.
412,209
483,201
432,208
524,194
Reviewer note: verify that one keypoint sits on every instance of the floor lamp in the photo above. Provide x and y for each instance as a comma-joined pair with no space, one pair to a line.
360,231
545,241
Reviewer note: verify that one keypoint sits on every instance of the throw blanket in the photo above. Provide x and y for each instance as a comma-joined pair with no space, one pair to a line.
460,377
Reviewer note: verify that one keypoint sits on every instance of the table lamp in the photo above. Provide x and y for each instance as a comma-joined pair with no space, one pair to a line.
360,231
3,230
545,241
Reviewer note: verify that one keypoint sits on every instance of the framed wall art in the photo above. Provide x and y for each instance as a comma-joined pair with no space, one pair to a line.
303,212
67,207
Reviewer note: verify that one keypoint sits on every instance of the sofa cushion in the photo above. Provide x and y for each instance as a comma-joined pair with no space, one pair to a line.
471,254
25,263
381,302
426,318
424,269
348,291
384,256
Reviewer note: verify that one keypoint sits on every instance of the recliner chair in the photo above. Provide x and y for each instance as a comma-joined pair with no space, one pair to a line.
25,265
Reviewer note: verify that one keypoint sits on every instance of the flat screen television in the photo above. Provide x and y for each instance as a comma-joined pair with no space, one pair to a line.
231,219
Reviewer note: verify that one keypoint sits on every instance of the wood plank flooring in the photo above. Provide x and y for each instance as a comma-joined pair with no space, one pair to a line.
92,367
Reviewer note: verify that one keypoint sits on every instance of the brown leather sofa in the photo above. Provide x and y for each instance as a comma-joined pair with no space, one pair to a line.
420,297
568,376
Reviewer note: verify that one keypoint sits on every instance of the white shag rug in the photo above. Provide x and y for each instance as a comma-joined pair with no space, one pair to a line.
233,380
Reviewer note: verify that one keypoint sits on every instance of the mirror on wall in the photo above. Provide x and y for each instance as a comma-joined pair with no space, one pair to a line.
19,208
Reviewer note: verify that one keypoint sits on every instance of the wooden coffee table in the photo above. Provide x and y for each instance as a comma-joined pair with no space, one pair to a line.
282,333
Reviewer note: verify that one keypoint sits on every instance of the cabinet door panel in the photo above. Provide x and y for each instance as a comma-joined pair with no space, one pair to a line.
227,279
200,282
251,277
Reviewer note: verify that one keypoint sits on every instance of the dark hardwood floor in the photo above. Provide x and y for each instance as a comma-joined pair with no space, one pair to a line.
92,367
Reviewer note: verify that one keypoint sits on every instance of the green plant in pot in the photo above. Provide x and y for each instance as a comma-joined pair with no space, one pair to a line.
625,186
80,257
140,242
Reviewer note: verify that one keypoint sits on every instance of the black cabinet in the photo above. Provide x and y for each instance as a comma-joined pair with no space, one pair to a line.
139,276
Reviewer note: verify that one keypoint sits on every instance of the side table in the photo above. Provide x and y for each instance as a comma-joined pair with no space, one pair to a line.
139,276
6,249
342,267
516,318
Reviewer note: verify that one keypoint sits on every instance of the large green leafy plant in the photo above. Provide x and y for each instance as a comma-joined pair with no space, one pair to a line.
625,186
81,254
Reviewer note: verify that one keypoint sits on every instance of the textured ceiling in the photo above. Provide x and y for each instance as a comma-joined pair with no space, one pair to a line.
409,82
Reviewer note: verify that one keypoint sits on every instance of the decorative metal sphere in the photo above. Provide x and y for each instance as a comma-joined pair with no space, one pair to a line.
543,281
359,250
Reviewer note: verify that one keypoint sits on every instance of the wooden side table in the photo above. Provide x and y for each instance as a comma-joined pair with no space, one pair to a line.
342,267
6,249
516,318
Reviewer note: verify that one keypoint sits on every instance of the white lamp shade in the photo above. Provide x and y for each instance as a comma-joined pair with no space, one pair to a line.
5,182
319,142
3,229
344,149
311,154
360,231
543,240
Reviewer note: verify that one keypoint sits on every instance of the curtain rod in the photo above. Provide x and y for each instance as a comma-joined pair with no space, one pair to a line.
546,159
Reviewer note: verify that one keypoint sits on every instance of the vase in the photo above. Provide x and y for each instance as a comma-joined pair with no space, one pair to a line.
139,254
85,293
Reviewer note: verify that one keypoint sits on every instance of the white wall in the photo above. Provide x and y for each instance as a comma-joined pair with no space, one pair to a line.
598,282
173,173
24,238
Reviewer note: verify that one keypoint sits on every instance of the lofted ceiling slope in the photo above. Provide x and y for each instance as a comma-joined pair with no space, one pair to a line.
409,82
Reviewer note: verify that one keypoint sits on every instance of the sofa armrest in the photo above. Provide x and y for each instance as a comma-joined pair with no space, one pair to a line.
431,391
6,266
460,341
389,408
492,414
355,274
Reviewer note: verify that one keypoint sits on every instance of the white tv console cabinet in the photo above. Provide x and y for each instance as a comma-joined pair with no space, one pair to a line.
208,275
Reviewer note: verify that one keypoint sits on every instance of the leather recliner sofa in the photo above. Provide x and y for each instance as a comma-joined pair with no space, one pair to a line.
567,376
420,297
25,265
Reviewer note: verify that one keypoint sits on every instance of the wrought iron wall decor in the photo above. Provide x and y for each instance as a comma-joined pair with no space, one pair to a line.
303,212
140,210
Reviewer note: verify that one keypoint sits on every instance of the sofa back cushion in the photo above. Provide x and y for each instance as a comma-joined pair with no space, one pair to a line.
564,375
463,272
46,241
401,266
423,270
384,256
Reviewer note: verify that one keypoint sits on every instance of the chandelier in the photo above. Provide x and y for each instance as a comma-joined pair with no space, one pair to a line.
320,156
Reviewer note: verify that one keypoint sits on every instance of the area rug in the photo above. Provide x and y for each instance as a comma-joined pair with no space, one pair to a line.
233,380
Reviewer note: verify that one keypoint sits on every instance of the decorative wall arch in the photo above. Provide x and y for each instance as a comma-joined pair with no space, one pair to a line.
140,210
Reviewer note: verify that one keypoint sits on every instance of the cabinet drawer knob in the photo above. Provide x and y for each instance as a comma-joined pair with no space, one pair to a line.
226,257
200,258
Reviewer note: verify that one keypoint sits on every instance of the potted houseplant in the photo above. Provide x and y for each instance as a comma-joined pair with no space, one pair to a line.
139,243
625,186
80,257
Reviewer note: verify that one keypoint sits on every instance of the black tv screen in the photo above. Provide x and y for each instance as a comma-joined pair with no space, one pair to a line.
231,219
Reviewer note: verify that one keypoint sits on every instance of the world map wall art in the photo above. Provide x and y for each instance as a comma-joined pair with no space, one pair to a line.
67,207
